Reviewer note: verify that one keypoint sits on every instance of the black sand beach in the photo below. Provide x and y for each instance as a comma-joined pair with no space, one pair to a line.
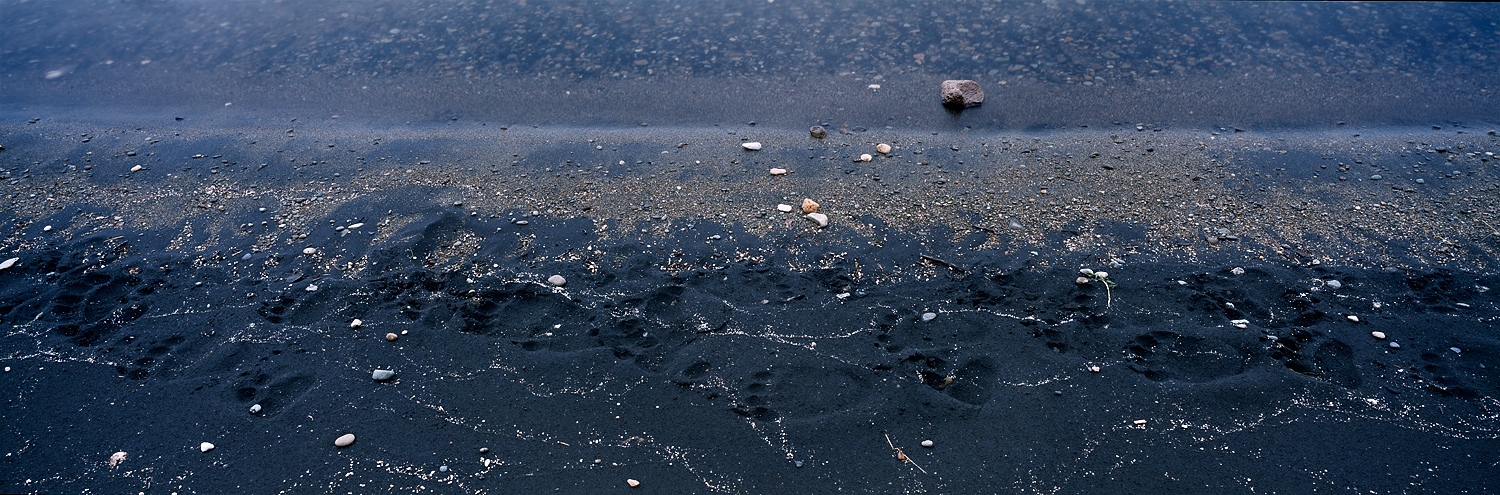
1300,291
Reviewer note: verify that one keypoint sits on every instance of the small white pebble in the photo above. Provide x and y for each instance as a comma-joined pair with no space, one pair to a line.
1237,271
1378,335
1455,350
752,146
1353,318
927,443
1094,369
255,409
1140,421
784,208
1334,284
929,316
47,228
136,168
1395,345
312,288
310,251
205,446
778,171
883,148
557,280
866,157
356,323
632,483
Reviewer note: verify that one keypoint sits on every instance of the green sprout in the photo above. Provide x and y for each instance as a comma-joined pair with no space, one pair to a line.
1103,277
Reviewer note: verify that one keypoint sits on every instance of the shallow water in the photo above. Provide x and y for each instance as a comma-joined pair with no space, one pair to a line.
1044,64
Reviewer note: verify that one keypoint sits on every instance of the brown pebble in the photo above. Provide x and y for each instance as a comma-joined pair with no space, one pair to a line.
391,337
818,132
962,93
883,148
809,206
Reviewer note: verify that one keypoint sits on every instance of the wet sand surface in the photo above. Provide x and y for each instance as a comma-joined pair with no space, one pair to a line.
1300,289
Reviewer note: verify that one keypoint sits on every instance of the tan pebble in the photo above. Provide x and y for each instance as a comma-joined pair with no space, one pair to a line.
633,483
1081,281
778,171
809,206
883,148
391,337
344,441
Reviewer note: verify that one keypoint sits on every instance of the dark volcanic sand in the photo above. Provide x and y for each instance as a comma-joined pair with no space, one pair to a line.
1251,175
705,342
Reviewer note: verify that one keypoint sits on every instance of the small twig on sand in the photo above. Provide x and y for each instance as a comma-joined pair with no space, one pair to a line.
902,455
941,262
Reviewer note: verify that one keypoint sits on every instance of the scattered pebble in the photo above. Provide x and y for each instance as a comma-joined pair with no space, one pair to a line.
1333,284
382,375
356,323
1353,318
928,316
557,280
1094,369
443,468
8,263
47,228
633,483
866,157
205,446
1378,335
797,463
312,288
784,208
391,337
1376,177
818,132
344,441
357,225
1081,281
117,458
752,146
1240,323
883,148
136,168
962,93
818,218
809,206
310,251
778,171
255,409
927,443
1455,350
1140,421
1462,305
1238,271
484,450
1395,345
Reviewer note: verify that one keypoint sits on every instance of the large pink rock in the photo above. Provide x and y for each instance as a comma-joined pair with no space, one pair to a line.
962,93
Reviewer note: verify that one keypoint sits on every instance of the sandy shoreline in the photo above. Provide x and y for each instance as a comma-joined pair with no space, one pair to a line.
703,353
